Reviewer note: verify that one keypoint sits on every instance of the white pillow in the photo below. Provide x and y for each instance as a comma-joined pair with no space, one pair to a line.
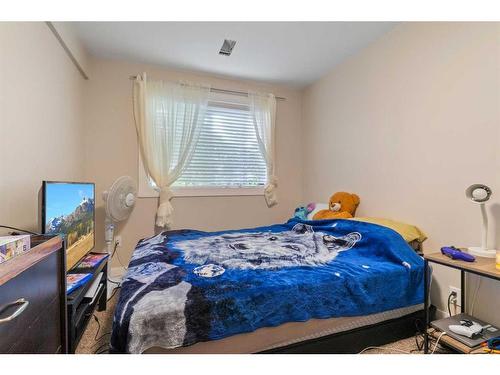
318,207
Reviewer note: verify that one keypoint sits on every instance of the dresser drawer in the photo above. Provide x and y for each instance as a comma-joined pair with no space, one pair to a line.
45,340
30,330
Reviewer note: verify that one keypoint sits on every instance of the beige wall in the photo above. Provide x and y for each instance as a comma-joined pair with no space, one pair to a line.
408,124
41,125
71,41
111,151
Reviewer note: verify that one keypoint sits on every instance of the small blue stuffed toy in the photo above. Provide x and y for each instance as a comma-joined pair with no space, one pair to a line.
302,212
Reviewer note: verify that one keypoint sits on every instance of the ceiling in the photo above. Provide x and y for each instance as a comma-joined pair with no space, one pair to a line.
291,53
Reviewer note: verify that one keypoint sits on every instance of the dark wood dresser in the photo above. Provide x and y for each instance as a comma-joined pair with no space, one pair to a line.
33,299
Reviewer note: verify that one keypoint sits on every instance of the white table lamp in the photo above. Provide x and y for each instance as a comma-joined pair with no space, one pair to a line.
480,194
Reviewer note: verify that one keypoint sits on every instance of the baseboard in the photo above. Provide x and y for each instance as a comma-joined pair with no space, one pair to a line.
117,273
440,314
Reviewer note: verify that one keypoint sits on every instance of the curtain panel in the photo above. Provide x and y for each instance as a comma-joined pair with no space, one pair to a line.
168,118
263,109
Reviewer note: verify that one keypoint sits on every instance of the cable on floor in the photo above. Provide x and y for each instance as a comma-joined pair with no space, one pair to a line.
381,348
437,342
100,338
102,349
420,335
420,346
98,326
113,293
97,340
114,282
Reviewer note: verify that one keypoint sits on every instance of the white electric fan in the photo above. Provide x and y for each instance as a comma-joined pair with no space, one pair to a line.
480,194
120,201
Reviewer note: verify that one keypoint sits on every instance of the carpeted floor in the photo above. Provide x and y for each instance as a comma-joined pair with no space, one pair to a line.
98,332
96,337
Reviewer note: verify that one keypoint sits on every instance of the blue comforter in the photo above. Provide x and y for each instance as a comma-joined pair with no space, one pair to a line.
187,286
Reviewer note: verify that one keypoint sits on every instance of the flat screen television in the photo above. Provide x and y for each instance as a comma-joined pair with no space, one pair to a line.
68,208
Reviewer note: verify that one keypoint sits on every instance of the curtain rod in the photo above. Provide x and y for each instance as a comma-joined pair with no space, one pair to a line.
223,91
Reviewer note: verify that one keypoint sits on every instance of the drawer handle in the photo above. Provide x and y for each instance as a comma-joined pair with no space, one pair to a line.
23,304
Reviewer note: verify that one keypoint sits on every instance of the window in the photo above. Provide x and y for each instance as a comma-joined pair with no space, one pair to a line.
227,153
227,159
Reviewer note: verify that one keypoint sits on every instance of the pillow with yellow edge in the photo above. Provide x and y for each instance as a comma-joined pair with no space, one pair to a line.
408,232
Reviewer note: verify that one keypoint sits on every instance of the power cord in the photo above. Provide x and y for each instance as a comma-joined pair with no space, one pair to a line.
454,295
117,283
114,282
101,337
19,230
114,250
97,339
419,336
98,326
381,348
113,293
117,256
102,349
437,342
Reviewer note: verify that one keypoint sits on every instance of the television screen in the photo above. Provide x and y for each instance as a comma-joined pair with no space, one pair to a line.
68,209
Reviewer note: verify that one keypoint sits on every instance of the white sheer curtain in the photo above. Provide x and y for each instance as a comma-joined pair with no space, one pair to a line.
263,109
168,118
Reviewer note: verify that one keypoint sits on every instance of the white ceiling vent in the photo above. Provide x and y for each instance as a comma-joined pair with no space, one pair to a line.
227,47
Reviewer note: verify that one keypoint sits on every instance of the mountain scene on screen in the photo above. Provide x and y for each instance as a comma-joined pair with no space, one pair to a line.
76,224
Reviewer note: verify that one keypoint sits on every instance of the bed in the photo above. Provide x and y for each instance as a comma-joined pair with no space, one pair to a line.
289,287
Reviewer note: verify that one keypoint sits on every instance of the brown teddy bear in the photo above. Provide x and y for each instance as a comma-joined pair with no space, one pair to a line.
342,206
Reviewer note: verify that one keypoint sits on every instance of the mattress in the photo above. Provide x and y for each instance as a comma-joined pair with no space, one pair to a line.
286,334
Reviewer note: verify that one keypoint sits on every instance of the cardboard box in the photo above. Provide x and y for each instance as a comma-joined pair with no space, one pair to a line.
12,246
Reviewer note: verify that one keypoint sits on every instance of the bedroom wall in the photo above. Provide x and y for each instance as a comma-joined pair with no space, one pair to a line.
408,124
111,151
41,129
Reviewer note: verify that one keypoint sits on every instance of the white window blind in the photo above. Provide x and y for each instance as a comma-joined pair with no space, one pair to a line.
227,154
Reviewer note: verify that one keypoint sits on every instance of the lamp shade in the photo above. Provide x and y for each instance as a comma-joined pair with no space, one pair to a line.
478,193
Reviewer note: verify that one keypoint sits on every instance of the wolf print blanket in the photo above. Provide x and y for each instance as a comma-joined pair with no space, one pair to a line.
188,286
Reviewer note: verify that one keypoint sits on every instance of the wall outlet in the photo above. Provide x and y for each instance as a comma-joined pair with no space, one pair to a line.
458,298
118,241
